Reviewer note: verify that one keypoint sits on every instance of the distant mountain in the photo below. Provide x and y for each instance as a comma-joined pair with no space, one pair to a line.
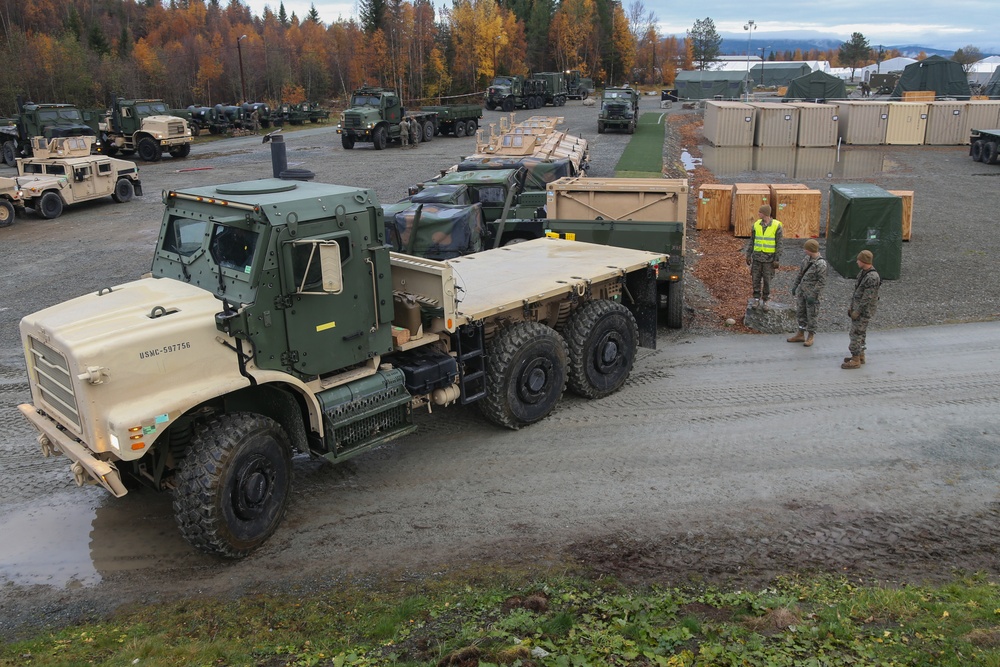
736,44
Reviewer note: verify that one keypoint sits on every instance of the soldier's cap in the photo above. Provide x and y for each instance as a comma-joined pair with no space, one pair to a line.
812,245
866,256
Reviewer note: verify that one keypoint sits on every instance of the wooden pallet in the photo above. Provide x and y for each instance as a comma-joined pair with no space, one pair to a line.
715,207
919,95
798,210
907,197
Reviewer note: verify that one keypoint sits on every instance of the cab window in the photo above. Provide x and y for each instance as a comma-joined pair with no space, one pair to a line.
306,270
184,236
233,247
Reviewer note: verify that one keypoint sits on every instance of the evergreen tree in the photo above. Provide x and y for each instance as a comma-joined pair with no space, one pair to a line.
372,14
855,52
313,15
283,16
705,41
537,34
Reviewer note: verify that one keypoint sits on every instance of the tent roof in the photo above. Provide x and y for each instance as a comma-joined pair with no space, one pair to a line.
710,75
943,76
816,85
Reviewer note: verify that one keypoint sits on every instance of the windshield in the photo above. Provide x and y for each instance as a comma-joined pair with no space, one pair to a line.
233,248
151,109
184,236
364,100
501,81
60,114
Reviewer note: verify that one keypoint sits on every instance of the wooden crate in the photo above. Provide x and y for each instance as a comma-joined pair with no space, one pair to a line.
919,95
715,206
907,196
747,200
979,97
798,211
774,187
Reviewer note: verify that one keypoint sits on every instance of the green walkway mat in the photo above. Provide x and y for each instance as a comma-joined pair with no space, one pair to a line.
643,157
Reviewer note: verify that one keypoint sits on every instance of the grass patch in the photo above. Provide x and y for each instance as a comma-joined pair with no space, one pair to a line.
521,619
644,153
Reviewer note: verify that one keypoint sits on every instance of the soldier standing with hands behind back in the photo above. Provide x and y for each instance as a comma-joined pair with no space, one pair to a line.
808,286
763,254
404,132
862,308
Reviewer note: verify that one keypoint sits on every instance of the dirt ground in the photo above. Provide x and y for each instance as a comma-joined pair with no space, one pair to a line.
725,459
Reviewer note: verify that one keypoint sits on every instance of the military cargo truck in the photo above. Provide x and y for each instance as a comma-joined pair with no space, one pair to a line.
460,120
578,87
619,110
44,120
555,87
515,92
375,114
63,172
145,127
276,320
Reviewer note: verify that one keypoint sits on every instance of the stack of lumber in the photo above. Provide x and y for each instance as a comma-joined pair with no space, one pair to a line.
907,197
919,95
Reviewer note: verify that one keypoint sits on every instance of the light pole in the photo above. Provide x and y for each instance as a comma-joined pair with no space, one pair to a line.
762,49
243,83
749,26
878,60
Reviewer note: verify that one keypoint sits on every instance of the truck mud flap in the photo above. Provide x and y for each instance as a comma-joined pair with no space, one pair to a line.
641,286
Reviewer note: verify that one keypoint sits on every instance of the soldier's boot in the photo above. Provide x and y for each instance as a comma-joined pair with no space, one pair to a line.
800,337
809,339
764,306
853,362
861,356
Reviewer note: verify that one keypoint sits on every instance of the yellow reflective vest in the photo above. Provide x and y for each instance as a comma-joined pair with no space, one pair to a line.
763,239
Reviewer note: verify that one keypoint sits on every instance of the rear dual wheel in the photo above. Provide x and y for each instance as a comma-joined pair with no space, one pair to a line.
602,337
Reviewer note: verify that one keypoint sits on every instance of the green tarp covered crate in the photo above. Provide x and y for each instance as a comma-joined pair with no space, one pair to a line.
865,217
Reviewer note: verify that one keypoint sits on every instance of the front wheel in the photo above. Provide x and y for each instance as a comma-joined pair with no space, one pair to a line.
183,150
428,131
50,205
6,213
491,106
525,374
347,141
10,154
124,191
508,105
602,337
600,127
379,138
233,485
149,150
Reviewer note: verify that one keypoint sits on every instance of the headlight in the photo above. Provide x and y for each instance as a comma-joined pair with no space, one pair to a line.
114,442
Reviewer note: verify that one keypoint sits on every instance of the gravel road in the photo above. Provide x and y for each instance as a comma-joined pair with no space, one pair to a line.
725,458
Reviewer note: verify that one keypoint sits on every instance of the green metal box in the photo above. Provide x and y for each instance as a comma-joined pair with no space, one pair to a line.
865,217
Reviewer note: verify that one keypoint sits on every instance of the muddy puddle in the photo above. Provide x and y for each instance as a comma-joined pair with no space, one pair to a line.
799,163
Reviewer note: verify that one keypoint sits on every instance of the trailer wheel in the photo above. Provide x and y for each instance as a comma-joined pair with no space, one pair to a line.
233,485
50,206
183,150
978,147
124,191
525,374
508,104
602,337
379,138
990,152
460,128
428,130
417,134
10,154
470,128
149,150
6,213
675,304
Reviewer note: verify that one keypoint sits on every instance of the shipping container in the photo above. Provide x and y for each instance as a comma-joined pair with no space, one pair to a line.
907,123
728,161
946,123
981,115
641,199
864,217
862,123
729,123
775,125
817,124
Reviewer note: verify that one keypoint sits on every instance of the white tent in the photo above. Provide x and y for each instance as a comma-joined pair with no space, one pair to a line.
986,65
885,67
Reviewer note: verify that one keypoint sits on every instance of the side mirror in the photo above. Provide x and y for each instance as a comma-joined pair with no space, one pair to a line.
330,266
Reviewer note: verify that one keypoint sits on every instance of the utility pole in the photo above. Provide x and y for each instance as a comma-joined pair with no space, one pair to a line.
243,82
749,26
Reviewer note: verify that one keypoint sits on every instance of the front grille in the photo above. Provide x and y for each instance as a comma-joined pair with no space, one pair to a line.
370,427
175,129
353,121
54,382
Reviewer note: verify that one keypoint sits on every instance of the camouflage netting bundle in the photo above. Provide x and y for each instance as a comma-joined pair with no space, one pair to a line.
435,231
538,171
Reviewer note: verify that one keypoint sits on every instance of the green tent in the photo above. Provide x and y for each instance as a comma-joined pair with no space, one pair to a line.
816,86
865,217
945,77
702,85
777,73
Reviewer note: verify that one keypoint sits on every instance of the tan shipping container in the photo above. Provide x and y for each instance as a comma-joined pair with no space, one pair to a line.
747,200
642,199
798,210
862,123
907,197
728,161
729,123
981,115
946,124
817,124
775,124
907,123
715,206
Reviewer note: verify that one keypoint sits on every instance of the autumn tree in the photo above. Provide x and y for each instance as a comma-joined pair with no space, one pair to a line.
967,56
855,53
705,42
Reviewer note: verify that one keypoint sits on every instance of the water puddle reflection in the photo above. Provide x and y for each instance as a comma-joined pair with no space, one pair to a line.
793,162
690,162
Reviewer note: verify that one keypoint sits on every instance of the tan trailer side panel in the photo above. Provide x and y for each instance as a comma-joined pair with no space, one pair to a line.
640,199
817,124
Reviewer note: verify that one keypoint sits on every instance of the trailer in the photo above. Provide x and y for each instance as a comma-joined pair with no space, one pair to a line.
984,146
460,120
375,114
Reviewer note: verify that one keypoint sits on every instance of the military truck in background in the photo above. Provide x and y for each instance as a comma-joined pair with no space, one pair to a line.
145,127
63,172
578,87
619,110
308,335
515,92
555,87
44,120
375,114
883,84
10,200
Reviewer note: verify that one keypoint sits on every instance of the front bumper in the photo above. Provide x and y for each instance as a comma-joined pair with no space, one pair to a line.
54,440
176,141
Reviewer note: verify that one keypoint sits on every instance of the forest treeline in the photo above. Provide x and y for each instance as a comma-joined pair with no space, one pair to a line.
190,51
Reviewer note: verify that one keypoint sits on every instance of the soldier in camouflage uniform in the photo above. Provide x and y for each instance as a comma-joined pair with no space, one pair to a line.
862,309
404,132
763,255
808,286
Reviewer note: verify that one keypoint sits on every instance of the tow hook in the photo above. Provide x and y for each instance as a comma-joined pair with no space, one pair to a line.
79,474
47,448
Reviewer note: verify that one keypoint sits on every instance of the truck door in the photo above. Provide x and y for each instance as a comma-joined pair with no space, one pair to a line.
392,111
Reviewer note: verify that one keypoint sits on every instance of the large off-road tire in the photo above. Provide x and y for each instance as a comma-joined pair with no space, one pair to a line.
110,148
584,94
508,104
6,213
149,150
379,138
990,153
675,304
459,128
978,148
347,141
525,374
428,130
600,127
233,484
124,191
602,337
50,205
418,133
10,153
183,150
470,128
491,106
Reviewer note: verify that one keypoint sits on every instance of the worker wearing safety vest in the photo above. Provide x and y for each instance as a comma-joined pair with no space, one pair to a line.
763,254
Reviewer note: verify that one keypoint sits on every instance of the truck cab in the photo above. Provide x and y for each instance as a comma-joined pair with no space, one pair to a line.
45,120
374,116
146,127
619,110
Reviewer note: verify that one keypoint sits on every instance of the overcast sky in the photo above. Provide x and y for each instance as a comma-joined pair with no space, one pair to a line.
941,24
